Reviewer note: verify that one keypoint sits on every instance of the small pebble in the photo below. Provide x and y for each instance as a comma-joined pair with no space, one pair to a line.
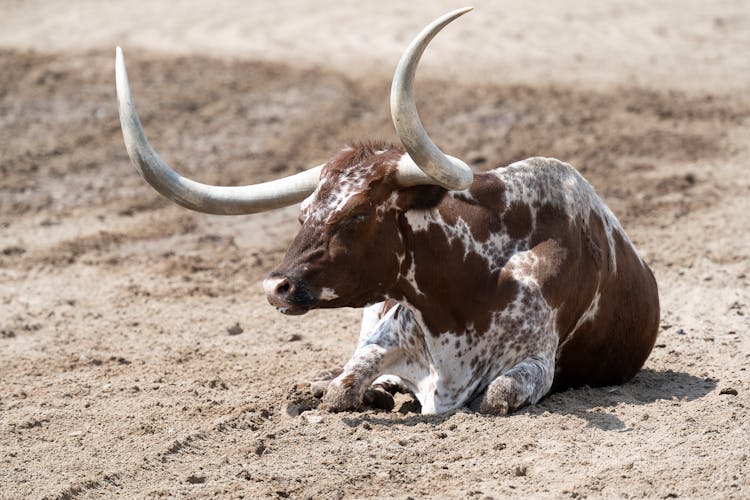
312,418
729,390
519,471
195,479
236,329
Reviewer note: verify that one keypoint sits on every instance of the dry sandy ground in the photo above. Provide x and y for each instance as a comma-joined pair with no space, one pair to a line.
119,375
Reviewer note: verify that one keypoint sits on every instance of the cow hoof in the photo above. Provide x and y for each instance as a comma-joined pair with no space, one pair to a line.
501,397
320,381
378,398
339,405
305,396
496,407
392,386
338,398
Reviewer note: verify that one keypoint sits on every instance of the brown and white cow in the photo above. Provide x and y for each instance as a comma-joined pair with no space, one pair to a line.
480,289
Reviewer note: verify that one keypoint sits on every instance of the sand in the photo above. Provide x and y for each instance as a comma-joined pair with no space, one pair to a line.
124,370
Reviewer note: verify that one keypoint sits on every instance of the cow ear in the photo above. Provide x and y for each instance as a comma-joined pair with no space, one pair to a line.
419,197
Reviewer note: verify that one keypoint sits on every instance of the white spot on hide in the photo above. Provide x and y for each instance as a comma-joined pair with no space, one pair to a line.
328,294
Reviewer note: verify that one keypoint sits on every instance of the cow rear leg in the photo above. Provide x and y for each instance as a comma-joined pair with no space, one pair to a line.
525,383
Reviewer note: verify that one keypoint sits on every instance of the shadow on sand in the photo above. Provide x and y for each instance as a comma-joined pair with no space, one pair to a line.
646,387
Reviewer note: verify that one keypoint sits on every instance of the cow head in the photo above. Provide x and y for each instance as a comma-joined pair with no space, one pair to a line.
349,249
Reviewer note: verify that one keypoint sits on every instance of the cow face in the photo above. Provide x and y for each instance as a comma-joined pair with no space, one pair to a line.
349,249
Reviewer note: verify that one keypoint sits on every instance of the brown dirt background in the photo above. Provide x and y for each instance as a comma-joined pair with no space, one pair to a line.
119,376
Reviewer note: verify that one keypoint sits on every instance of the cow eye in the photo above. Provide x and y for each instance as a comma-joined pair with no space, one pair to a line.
354,219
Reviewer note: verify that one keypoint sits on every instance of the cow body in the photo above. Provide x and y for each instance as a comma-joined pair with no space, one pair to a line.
488,295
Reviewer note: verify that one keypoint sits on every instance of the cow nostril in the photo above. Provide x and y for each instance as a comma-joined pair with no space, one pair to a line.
280,288
289,295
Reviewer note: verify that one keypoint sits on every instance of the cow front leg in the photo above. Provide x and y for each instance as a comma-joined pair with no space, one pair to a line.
304,396
525,383
348,390
321,380
376,352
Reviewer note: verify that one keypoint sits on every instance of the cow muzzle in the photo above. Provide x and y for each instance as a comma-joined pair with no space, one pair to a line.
288,295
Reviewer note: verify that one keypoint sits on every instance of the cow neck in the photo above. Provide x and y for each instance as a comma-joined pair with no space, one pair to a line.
450,272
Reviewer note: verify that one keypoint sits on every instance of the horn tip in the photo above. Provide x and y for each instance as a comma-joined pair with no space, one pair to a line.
462,11
119,59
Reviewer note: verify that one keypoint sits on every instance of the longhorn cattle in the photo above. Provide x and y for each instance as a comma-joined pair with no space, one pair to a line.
482,289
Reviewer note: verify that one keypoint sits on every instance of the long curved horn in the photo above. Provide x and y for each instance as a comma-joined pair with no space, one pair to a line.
446,171
219,200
